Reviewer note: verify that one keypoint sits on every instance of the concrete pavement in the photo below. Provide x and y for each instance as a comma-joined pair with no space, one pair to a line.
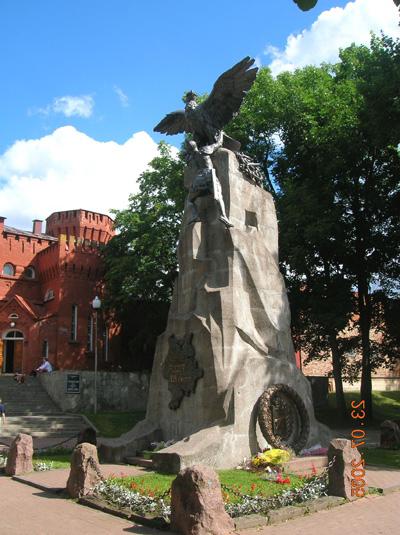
373,515
27,510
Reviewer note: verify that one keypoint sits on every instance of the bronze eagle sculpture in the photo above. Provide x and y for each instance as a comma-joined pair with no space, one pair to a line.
205,121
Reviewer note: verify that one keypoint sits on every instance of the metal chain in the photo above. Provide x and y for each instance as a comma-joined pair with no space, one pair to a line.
47,447
164,494
57,444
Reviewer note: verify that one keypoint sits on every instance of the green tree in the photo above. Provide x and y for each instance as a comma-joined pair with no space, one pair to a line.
368,188
140,261
306,5
329,135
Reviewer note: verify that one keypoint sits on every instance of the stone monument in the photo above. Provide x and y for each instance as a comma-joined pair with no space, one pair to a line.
224,382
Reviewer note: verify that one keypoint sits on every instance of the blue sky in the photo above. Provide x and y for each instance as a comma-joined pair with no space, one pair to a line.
84,82
152,50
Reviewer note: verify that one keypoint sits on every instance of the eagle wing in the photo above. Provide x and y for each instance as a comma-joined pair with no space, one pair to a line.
228,92
173,123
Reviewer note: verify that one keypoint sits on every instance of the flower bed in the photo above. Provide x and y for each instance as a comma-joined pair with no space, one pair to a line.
244,493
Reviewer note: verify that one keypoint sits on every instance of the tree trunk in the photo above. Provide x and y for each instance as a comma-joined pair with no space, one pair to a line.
362,231
337,375
364,306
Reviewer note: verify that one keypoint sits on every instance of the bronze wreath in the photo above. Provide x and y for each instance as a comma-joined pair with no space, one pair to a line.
299,436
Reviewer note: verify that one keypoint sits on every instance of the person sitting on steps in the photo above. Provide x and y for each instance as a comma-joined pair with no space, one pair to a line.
45,367
19,377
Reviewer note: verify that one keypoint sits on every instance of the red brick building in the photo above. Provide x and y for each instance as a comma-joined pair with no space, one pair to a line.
47,283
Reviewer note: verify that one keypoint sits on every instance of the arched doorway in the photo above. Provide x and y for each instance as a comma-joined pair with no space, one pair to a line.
11,349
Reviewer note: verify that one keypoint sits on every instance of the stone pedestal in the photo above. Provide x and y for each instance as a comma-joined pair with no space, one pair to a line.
228,335
19,460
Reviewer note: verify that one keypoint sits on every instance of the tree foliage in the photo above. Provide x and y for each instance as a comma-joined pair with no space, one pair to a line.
306,5
140,261
329,135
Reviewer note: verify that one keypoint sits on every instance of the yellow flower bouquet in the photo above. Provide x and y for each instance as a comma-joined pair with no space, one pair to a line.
268,457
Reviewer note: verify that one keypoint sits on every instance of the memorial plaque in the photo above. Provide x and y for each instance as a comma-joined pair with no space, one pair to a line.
181,369
73,383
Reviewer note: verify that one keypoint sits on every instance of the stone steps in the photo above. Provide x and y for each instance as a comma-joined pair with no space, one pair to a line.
43,426
29,409
305,465
27,398
139,461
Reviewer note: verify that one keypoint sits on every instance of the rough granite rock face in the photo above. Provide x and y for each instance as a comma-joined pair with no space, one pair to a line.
390,434
19,460
197,507
340,473
230,308
85,470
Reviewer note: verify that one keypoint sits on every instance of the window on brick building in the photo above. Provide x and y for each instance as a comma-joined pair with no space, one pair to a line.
8,269
45,349
11,335
30,272
89,344
74,322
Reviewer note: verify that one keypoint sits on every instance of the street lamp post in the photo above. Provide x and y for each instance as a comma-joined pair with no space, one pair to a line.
96,304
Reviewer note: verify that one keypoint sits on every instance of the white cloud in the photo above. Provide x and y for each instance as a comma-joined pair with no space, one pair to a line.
123,98
69,106
67,169
334,29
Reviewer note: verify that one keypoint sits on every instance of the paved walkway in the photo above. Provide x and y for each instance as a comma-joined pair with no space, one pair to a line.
28,510
374,515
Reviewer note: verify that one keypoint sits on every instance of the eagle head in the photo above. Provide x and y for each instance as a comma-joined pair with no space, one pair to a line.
190,97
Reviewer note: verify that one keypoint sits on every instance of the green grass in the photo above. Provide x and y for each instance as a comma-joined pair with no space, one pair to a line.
114,424
382,457
239,480
59,457
386,406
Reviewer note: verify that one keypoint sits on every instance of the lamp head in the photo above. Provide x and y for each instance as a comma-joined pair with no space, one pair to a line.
96,303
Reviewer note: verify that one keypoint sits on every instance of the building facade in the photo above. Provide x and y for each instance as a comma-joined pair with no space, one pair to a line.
48,281
383,379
